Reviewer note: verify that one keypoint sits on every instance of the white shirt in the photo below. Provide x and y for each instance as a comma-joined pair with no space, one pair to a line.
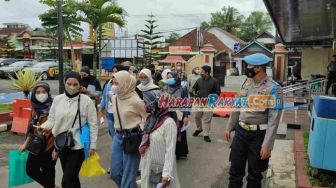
62,115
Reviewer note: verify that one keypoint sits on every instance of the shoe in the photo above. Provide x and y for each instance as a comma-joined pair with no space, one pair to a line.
181,157
197,132
207,139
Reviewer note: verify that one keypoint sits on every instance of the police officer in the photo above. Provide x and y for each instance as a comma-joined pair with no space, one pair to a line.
255,129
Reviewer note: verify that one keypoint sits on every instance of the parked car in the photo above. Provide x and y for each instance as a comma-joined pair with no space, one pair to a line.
54,72
43,68
15,67
6,62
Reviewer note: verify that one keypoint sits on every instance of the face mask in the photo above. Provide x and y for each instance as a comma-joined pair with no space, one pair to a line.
114,89
71,89
203,76
197,71
250,73
41,97
145,82
171,81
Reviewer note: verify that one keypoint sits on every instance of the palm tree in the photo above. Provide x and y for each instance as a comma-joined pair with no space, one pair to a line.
71,23
257,23
98,12
229,19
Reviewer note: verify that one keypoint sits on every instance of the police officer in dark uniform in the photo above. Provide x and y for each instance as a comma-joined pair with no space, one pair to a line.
255,130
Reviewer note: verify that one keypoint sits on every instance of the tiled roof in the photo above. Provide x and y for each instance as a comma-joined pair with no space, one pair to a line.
190,39
9,31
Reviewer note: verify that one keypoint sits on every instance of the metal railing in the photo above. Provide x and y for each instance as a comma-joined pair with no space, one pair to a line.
312,87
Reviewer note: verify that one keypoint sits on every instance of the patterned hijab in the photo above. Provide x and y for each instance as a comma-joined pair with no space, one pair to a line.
156,119
126,84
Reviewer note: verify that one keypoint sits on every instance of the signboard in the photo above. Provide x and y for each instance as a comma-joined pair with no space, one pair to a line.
236,47
180,49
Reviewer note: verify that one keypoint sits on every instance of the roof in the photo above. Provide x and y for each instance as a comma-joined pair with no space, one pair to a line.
254,43
303,21
265,34
10,31
38,32
231,35
173,59
190,39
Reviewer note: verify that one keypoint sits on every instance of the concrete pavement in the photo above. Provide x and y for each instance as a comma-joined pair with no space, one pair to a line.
207,164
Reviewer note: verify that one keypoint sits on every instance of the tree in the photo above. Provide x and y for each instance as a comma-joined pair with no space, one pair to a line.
151,40
98,12
172,38
257,23
229,19
71,22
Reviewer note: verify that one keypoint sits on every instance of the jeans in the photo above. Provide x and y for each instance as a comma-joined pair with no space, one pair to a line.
124,167
41,168
71,162
246,146
110,123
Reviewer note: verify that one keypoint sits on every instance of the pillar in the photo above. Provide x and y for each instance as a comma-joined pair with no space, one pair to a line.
280,61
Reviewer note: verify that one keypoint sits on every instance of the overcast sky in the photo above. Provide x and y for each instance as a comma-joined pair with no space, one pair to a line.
171,14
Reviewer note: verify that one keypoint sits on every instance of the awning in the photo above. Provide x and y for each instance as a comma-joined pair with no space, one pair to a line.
173,59
304,21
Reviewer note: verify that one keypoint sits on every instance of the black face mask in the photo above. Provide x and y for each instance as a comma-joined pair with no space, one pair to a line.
250,73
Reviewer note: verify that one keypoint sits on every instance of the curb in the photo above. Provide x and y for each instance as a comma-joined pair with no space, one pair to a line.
5,117
302,179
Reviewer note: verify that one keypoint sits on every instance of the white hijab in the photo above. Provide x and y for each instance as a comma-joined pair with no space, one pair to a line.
150,85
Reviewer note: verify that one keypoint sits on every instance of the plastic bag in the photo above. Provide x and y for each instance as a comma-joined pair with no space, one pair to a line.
17,168
85,139
91,167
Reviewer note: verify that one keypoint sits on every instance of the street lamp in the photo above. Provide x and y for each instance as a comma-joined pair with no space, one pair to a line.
60,45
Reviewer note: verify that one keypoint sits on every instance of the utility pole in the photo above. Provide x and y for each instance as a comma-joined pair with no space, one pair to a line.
60,45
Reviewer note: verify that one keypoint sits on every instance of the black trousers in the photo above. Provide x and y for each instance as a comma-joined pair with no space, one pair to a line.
41,168
331,80
246,146
71,162
182,149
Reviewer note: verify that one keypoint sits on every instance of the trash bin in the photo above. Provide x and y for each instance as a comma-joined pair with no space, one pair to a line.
322,137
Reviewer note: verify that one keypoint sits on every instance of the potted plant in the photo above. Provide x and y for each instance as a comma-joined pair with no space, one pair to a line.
25,81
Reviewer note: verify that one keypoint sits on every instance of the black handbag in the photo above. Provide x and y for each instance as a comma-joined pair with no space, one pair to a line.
65,140
131,142
37,143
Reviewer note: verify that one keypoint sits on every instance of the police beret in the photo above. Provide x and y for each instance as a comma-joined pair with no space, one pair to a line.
257,59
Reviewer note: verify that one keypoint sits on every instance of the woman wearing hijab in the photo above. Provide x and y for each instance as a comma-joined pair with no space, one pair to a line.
129,115
41,167
146,82
177,91
157,149
90,85
105,106
68,112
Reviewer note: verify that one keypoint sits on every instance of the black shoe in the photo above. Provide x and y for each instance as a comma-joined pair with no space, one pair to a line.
197,132
207,139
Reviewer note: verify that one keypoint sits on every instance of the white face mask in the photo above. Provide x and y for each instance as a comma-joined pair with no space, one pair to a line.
114,89
41,97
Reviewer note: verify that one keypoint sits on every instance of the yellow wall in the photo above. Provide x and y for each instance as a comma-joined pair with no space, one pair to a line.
315,61
198,61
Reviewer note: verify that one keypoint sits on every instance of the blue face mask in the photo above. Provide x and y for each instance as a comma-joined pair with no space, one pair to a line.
171,81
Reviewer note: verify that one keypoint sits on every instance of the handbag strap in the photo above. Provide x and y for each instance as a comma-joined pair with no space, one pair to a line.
118,113
78,114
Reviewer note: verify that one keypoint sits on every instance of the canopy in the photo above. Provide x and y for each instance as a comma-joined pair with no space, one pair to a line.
173,59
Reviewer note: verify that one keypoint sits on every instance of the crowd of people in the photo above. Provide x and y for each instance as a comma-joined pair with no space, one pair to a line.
147,138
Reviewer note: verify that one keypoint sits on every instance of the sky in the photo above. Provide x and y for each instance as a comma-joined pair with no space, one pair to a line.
179,15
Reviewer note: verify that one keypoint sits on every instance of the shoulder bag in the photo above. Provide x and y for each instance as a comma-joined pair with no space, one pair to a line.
65,141
131,141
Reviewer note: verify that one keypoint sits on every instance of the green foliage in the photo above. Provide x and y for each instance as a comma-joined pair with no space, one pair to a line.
232,21
5,108
172,38
98,12
229,19
255,24
151,40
